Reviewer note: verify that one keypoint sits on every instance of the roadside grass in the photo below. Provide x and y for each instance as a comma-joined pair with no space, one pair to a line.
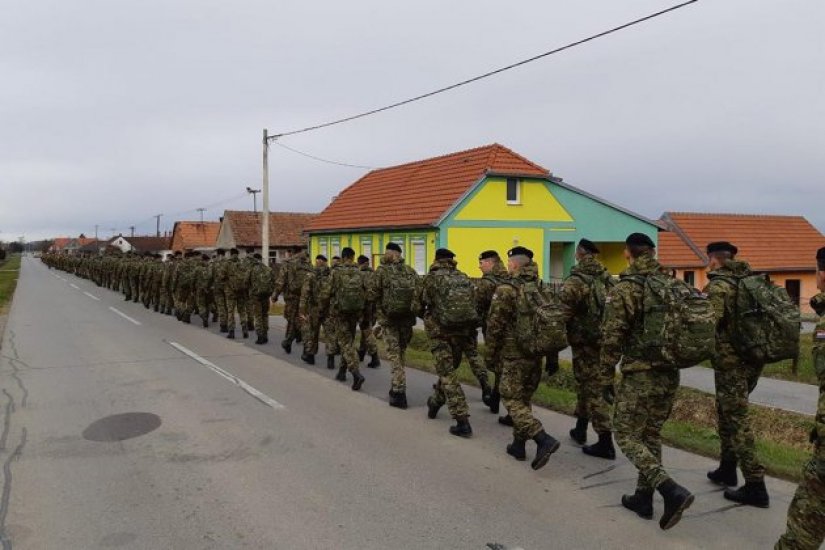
9,271
781,436
276,309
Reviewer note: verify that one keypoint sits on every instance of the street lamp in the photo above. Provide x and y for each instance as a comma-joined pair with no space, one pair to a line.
254,193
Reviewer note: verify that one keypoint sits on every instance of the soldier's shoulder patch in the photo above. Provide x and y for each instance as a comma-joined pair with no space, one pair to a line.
819,334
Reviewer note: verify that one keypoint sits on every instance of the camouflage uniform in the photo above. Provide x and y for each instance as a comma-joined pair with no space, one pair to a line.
396,333
289,284
585,341
309,308
368,343
343,325
735,377
261,285
134,277
220,287
155,285
238,295
447,347
806,515
167,300
202,286
644,398
520,375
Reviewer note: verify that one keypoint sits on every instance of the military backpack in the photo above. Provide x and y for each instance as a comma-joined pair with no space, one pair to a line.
589,318
350,295
678,322
262,283
398,293
540,326
454,304
765,322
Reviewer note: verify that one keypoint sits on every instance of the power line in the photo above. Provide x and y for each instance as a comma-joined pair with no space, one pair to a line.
485,75
319,159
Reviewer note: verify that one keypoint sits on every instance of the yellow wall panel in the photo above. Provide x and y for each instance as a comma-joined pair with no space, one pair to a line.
468,242
537,203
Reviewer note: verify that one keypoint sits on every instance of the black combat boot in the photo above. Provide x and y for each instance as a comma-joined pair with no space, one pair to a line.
231,334
187,318
677,500
752,493
579,433
342,373
286,343
375,361
495,401
516,449
462,427
398,399
265,337
259,340
206,322
245,332
546,445
331,362
486,392
432,407
361,354
603,448
506,420
725,474
224,328
640,502
156,308
357,380
308,359
214,317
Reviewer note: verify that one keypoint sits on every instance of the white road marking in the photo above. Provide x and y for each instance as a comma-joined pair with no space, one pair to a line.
260,396
92,296
74,286
135,321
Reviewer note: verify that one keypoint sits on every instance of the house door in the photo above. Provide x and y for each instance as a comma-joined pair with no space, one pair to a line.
556,274
793,288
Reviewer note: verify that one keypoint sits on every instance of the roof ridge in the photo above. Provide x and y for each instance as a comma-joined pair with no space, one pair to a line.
674,228
733,215
480,148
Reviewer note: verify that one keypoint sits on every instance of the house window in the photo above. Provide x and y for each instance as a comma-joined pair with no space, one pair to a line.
336,248
366,248
690,278
323,248
419,250
793,288
513,191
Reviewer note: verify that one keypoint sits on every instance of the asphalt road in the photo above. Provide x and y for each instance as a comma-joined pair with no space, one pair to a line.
235,446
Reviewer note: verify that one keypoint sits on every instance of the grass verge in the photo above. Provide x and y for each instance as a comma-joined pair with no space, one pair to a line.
782,437
9,272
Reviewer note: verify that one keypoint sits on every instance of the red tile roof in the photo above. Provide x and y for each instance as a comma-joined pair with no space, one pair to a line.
60,243
286,229
674,251
418,194
192,235
150,244
769,243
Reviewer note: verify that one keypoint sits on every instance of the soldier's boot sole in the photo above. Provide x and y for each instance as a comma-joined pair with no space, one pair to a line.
546,446
677,500
462,429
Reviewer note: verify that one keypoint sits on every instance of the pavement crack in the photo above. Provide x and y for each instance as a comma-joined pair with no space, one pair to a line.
6,495
6,420
601,472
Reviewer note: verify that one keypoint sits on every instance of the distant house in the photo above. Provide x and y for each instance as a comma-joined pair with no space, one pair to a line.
154,245
200,236
286,231
470,201
69,245
93,247
781,246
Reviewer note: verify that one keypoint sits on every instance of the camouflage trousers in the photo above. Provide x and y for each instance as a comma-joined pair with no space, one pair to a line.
343,339
475,360
204,300
311,333
237,300
134,286
167,300
397,337
155,292
644,400
447,352
735,380
590,384
368,344
125,287
520,379
260,313
293,324
806,515
184,301
220,304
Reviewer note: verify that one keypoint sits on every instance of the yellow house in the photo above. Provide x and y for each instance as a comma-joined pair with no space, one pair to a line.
470,201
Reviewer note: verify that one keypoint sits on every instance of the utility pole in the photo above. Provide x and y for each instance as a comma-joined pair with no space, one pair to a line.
132,229
157,218
201,210
96,226
254,193
265,187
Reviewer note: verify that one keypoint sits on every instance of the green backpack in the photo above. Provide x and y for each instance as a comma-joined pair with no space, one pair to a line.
678,322
350,295
454,304
398,293
765,321
589,321
540,326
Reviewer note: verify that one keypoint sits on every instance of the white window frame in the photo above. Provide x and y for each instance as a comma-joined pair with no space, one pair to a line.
366,248
335,247
517,201
323,247
422,258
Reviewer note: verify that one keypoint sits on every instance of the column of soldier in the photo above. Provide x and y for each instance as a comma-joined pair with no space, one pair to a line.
647,322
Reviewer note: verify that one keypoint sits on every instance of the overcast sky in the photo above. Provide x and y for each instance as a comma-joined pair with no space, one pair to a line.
113,111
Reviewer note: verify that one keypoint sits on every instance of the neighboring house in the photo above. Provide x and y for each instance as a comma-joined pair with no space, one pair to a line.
199,236
93,247
59,244
470,201
781,246
286,231
140,245
73,245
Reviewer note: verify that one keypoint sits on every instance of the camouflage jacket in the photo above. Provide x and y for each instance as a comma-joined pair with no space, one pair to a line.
486,288
818,305
314,283
261,283
379,282
722,295
574,296
623,316
203,277
328,292
425,301
501,340
220,271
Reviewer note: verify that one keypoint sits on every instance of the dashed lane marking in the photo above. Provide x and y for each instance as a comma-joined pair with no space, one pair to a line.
92,296
135,321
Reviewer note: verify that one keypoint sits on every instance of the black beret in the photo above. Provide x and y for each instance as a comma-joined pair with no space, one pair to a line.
347,252
257,256
363,259
520,251
321,257
588,246
394,246
204,256
444,254
220,250
336,257
177,252
639,239
820,254
488,254
722,246
233,251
